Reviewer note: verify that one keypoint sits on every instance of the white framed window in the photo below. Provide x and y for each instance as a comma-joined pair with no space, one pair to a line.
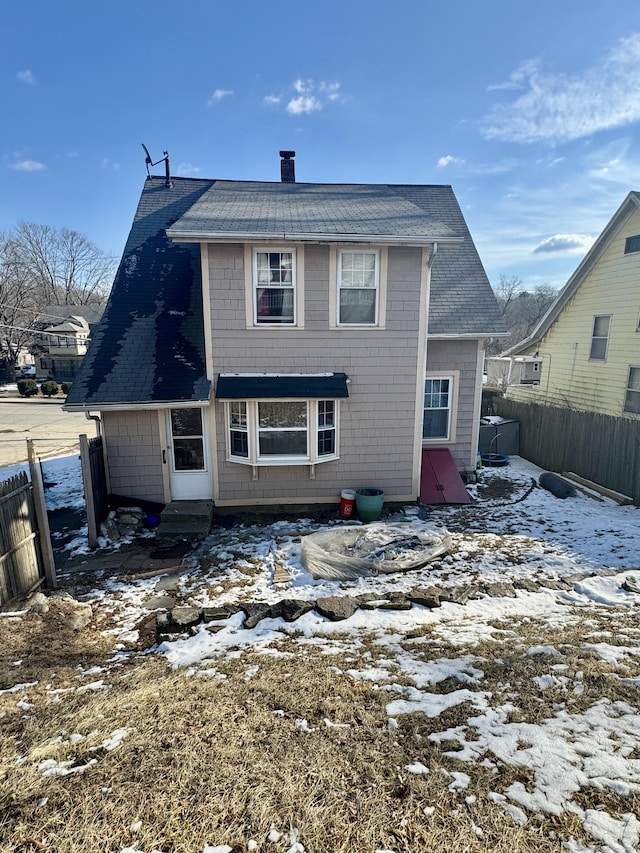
600,337
440,407
238,430
632,396
632,244
274,286
282,432
358,282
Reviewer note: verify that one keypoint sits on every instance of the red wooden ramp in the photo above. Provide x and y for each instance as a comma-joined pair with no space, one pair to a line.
440,481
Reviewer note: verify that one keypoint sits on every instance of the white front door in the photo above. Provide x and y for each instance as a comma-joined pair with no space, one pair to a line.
189,464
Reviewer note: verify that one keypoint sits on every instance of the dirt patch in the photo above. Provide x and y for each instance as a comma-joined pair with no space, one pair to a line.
498,488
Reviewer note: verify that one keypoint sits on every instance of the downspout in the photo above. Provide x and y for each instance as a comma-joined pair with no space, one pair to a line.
95,418
423,326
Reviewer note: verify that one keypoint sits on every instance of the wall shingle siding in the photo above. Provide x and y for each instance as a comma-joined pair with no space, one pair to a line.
134,451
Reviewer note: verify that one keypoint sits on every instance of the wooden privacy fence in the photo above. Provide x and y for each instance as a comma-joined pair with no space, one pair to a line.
95,484
26,557
598,447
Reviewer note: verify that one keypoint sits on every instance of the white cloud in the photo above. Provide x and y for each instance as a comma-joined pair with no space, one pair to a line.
303,87
449,160
27,77
309,96
578,243
28,166
186,169
303,104
107,163
219,95
560,108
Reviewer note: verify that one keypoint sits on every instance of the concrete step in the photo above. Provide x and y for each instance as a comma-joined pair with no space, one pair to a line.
186,518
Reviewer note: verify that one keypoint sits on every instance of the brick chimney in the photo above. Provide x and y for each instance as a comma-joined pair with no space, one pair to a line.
287,167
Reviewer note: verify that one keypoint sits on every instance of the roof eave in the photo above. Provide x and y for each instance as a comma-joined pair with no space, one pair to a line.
227,236
140,404
452,336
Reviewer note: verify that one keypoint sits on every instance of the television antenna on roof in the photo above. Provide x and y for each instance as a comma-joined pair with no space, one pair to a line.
149,162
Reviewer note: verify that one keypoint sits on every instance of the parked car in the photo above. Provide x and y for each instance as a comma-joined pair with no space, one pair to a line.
25,371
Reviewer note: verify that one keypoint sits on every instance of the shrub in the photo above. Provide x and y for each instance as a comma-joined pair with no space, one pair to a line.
27,387
66,387
49,388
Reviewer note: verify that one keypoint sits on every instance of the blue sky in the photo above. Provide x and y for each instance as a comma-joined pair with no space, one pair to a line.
531,111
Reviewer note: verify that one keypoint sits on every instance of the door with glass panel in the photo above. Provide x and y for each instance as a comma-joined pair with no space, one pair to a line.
189,467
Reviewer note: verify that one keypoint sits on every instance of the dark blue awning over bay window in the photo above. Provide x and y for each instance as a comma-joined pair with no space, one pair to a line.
317,386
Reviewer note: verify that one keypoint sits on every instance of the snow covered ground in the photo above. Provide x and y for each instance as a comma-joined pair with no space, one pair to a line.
567,568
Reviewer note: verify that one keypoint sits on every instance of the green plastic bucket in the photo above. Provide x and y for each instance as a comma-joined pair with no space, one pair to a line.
369,502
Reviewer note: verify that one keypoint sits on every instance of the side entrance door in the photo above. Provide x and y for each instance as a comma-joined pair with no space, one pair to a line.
189,464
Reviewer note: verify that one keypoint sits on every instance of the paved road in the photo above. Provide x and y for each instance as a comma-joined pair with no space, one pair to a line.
53,431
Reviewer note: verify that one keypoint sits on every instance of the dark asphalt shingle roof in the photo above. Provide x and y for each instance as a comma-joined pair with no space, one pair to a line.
149,347
291,209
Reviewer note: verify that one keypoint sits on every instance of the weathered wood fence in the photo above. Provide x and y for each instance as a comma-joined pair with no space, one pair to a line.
26,557
598,447
94,478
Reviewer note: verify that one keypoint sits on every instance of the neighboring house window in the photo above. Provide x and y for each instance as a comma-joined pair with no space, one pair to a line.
600,337
282,432
274,278
437,407
358,278
632,244
632,398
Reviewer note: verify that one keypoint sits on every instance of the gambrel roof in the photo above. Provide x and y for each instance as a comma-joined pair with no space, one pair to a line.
149,347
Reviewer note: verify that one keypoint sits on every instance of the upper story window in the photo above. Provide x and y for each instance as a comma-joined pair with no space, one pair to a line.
600,337
274,285
358,287
632,244
632,397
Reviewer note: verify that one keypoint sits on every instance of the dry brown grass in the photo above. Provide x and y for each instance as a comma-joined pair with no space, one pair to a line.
220,760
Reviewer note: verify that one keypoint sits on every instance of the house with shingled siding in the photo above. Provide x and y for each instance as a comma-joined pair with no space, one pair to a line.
272,343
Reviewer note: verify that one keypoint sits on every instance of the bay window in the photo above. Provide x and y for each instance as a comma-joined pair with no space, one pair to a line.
281,432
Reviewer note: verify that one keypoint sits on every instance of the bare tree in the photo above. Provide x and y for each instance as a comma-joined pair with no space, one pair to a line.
507,289
63,266
18,308
521,309
42,266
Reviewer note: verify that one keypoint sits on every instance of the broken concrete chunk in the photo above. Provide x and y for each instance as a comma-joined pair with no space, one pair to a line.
256,611
425,596
336,608
292,608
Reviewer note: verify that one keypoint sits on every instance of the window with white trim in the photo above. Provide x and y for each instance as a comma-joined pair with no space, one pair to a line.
358,288
632,244
600,337
438,396
274,284
282,432
632,396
